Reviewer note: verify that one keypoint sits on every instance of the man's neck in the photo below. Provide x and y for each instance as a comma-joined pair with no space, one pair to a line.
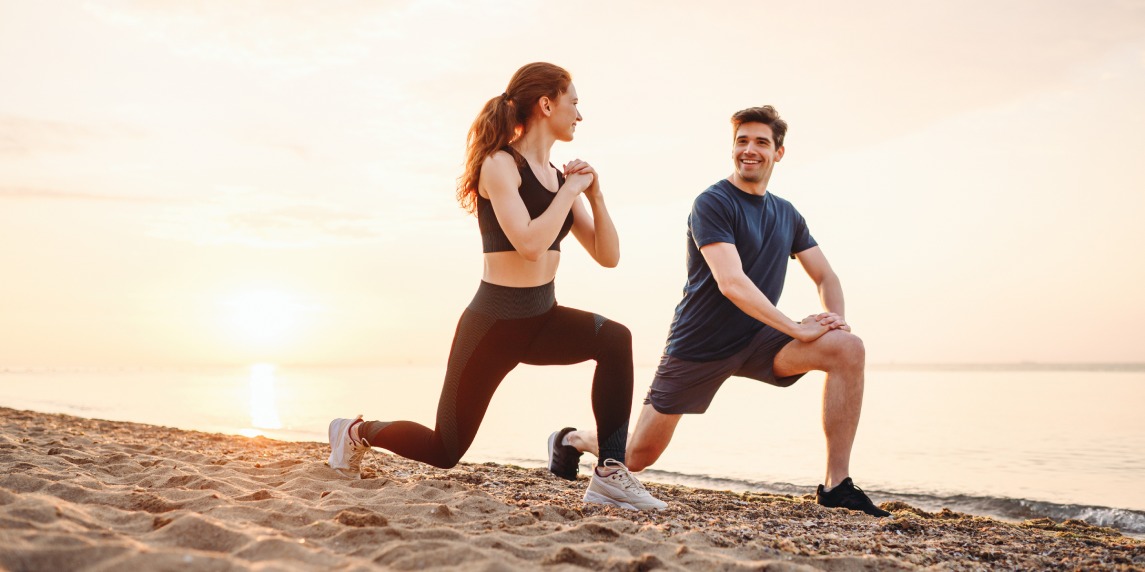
757,188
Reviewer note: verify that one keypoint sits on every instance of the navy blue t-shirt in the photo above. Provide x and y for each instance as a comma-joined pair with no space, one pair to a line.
766,231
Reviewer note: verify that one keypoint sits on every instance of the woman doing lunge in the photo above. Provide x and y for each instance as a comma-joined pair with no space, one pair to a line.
525,207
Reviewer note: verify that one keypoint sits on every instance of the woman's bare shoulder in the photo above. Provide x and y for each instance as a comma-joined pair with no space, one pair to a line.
499,172
500,160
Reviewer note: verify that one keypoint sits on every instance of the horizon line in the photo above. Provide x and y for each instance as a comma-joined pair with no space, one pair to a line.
903,366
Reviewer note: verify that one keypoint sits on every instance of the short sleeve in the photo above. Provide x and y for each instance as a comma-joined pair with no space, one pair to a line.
802,239
712,220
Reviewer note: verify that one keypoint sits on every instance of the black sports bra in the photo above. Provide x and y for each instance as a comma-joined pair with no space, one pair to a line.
537,199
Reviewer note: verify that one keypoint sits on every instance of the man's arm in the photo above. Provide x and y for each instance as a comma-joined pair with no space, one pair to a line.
727,268
830,289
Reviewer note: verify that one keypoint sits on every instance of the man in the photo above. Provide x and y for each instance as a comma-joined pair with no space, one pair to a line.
740,237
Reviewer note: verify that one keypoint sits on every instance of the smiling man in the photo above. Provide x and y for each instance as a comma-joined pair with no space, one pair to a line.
740,237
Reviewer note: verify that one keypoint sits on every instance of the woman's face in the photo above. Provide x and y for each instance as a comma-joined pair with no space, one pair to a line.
564,115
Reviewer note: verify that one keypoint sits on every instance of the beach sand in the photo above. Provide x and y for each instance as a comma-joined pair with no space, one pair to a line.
84,494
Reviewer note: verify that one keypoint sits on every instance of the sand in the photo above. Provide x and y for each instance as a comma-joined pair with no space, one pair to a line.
85,494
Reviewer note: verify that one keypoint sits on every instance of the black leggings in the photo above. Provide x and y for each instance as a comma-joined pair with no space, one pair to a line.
503,327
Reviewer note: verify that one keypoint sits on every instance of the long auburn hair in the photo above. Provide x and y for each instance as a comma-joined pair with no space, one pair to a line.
502,121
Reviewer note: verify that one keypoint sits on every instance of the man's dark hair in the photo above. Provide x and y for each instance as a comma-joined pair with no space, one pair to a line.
766,115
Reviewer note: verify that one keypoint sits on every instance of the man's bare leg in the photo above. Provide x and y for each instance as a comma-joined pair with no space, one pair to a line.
842,355
648,441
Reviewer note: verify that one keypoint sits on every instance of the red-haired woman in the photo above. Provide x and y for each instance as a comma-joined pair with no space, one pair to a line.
525,207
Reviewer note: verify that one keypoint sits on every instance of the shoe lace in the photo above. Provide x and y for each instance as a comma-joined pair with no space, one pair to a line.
359,454
624,476
854,493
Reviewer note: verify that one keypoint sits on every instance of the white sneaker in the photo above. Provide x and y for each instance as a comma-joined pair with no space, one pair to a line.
620,488
345,455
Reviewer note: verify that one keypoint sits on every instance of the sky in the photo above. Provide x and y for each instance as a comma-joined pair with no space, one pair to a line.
197,183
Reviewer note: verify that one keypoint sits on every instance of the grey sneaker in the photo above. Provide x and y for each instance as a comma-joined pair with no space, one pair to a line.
564,461
620,489
345,455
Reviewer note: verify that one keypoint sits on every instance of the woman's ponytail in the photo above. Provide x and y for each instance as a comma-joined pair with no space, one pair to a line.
502,121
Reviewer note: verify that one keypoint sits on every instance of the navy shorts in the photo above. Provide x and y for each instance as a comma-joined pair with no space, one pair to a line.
682,386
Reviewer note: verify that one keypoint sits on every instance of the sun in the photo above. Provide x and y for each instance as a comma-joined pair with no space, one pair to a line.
264,317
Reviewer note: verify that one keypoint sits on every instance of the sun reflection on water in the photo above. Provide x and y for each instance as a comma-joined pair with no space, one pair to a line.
263,401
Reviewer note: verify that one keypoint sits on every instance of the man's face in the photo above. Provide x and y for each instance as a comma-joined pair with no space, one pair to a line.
754,152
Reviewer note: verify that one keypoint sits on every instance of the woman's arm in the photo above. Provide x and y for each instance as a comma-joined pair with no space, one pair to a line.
531,237
596,233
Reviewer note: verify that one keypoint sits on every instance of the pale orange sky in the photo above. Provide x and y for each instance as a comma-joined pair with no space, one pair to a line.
273,181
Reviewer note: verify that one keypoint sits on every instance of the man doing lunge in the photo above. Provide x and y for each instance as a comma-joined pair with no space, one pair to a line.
740,236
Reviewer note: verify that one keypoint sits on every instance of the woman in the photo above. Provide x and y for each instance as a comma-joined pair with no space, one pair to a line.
524,208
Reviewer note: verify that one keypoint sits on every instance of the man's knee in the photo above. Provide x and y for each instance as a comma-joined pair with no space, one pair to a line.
640,458
650,438
844,348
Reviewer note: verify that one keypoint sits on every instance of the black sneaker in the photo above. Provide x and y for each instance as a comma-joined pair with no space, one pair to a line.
847,495
564,460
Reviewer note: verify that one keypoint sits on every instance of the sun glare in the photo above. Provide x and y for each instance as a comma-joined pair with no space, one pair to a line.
263,401
263,317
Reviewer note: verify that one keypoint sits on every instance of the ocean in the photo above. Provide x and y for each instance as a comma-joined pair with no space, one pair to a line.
1011,441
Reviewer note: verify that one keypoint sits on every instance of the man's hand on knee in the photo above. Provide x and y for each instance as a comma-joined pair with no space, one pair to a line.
831,320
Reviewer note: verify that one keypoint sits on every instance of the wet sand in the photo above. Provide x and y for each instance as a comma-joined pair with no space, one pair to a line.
85,494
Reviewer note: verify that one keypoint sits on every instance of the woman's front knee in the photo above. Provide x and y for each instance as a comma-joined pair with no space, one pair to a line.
614,343
615,333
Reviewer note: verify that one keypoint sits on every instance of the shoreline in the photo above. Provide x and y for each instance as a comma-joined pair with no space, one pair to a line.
78,493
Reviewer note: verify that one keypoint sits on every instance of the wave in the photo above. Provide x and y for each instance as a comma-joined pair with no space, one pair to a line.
1101,367
1128,521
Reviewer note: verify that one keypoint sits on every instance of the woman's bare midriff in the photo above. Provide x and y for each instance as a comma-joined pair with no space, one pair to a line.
511,269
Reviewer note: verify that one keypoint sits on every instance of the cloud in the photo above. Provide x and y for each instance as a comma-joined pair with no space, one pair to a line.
301,36
245,217
27,135
22,136
878,71
236,216
302,219
291,35
29,193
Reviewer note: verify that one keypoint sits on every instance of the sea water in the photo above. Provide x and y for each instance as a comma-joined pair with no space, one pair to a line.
1016,442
